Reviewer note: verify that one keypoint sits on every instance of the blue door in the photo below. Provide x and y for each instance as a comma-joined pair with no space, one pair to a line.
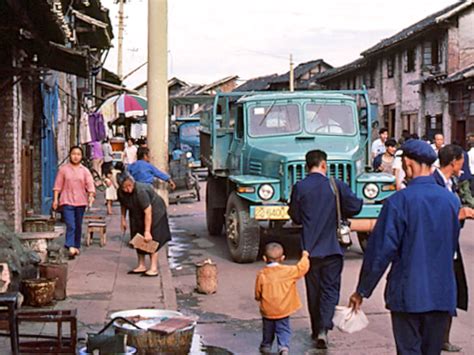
49,155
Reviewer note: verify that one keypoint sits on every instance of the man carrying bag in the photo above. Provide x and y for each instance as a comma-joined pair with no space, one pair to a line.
313,205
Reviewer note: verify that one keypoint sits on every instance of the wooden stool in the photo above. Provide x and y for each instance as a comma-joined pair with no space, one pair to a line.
99,227
8,312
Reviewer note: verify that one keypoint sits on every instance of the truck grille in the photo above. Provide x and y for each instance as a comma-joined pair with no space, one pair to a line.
297,171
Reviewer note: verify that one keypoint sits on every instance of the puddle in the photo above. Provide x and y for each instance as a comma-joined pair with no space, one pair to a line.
198,348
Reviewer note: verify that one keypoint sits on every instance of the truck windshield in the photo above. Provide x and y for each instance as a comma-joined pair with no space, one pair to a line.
274,120
190,130
332,119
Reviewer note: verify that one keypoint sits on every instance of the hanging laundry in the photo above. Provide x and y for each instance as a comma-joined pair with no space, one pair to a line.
97,127
84,130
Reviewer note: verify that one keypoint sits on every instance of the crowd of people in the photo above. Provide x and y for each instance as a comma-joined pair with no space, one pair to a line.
417,233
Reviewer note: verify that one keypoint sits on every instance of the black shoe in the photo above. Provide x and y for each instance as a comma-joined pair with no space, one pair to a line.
322,340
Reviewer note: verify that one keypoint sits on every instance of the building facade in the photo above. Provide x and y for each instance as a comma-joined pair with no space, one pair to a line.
404,73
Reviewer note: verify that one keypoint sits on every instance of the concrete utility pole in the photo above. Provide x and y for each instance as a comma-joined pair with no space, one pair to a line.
157,89
292,74
121,25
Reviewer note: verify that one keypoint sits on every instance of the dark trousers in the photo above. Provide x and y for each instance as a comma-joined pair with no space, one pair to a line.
323,283
419,333
73,218
279,328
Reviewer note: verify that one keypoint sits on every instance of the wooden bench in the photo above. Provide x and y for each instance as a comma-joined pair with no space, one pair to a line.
98,226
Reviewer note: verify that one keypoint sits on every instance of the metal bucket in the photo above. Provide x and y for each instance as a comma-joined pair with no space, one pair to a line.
148,342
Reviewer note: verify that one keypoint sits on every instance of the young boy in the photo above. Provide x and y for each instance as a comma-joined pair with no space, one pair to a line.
275,289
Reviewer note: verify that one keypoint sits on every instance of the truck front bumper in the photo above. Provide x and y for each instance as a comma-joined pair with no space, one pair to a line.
363,222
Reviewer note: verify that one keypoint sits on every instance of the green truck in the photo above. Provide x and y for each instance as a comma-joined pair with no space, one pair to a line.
254,146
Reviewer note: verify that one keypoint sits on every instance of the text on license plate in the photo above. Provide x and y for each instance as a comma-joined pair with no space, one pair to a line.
271,212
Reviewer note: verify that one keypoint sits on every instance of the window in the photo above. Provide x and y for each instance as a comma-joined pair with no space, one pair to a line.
274,120
410,60
431,53
370,78
335,119
239,129
390,66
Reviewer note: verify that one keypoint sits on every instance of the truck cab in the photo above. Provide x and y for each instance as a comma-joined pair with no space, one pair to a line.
254,145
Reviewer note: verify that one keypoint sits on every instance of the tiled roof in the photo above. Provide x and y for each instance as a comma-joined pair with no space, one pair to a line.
260,83
418,27
465,73
300,70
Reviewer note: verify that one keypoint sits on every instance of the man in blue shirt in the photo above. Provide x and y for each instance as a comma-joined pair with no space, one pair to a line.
143,171
417,232
313,205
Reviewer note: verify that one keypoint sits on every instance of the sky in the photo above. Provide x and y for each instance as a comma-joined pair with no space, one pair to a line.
211,39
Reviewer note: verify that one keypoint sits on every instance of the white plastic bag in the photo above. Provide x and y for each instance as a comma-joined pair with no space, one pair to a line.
349,321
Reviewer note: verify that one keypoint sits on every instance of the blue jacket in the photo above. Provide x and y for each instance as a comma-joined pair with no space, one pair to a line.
417,232
313,204
143,171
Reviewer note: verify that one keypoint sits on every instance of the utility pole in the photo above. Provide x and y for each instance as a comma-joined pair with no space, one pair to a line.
157,89
292,74
121,25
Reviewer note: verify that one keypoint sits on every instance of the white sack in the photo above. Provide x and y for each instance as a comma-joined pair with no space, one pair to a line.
349,321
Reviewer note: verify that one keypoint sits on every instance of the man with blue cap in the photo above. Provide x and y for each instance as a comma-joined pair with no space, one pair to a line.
417,232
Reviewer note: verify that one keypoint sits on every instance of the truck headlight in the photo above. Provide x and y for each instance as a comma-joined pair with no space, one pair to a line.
189,155
265,192
371,191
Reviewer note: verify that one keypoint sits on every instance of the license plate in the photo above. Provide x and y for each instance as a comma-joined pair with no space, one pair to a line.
271,212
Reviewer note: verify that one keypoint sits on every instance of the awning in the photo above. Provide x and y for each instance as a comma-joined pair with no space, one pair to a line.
65,60
190,100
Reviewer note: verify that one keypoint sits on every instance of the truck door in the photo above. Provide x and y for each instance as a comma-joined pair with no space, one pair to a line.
237,147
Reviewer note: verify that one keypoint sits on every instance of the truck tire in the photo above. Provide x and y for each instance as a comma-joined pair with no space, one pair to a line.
363,240
243,233
215,217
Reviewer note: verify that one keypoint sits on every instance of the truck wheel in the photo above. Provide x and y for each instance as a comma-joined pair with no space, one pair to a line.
243,233
363,240
214,216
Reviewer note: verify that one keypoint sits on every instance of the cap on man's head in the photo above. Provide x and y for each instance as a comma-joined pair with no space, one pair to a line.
419,151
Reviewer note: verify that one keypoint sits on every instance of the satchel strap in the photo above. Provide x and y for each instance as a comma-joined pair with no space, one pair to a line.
334,189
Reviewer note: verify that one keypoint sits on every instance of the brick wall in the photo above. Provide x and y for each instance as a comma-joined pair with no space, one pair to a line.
9,157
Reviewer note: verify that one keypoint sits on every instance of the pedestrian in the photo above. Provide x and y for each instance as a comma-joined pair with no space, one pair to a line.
378,146
97,157
73,191
438,142
130,152
108,157
451,159
417,233
147,216
112,186
398,171
313,205
384,161
143,171
470,154
275,290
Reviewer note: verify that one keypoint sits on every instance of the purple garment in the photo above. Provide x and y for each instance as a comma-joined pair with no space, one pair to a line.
96,150
97,126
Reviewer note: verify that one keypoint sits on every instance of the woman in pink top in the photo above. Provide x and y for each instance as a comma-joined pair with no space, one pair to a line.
74,190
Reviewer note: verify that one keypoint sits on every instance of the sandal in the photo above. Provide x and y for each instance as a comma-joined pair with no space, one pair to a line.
149,275
136,272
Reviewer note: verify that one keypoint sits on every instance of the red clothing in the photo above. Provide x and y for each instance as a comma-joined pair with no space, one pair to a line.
74,183
275,288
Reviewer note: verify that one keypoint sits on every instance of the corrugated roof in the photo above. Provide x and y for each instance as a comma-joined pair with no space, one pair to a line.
417,28
300,70
465,73
260,83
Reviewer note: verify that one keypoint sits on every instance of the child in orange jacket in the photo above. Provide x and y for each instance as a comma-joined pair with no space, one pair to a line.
275,289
